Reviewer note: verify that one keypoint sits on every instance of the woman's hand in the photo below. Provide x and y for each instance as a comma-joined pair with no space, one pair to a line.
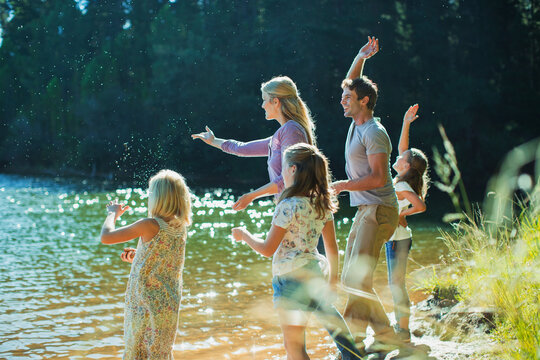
238,233
243,202
370,49
116,208
207,136
410,114
128,255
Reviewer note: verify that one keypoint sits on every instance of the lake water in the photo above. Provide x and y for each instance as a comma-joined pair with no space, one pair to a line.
62,291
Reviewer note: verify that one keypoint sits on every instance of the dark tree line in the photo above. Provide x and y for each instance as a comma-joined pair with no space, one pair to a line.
116,87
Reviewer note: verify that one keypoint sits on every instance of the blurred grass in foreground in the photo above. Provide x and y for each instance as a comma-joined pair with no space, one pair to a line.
493,259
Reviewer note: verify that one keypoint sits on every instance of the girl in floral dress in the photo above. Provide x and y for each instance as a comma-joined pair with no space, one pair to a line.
154,287
304,211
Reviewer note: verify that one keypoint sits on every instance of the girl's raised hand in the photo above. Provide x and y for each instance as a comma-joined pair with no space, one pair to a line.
370,49
116,208
207,136
128,255
410,114
238,233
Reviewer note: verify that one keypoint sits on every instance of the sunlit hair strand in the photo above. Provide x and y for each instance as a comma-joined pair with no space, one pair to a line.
169,196
312,178
292,105
417,174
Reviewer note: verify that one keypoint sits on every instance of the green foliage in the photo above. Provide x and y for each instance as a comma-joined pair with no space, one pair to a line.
447,169
497,257
156,71
442,284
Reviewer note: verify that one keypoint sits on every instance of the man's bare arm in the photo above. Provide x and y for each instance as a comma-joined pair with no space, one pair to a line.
367,51
378,176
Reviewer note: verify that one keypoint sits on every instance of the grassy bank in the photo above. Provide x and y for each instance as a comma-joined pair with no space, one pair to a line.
493,260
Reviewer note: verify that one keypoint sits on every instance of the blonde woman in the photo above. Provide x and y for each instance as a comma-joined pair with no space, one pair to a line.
154,286
281,102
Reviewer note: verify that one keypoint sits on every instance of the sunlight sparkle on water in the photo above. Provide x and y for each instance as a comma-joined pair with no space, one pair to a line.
71,276
210,294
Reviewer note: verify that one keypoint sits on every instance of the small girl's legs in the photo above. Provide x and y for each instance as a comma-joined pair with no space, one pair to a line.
321,299
300,293
333,322
397,253
294,337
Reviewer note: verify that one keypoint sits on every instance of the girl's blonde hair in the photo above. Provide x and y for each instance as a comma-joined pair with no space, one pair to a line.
169,196
292,106
312,178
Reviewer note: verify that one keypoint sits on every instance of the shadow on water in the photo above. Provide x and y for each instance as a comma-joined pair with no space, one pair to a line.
62,290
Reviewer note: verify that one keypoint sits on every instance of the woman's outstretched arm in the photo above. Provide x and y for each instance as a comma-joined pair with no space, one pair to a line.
252,148
209,138
266,190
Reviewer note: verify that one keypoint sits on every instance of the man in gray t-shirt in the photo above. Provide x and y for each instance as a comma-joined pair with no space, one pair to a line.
367,155
368,138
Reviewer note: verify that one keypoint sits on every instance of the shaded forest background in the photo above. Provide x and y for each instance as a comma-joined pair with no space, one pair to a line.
115,88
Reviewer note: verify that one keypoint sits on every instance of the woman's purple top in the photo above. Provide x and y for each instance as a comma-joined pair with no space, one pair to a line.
274,146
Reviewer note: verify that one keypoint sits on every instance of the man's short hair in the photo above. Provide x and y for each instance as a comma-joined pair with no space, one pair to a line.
363,86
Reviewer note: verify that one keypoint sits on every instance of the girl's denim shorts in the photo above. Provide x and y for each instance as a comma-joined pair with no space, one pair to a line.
303,289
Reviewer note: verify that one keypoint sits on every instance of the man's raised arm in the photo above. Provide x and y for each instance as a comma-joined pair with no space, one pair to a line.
367,51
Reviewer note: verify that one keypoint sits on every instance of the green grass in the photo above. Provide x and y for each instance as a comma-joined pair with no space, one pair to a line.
493,259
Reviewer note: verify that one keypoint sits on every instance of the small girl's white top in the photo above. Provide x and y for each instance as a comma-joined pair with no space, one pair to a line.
299,245
401,232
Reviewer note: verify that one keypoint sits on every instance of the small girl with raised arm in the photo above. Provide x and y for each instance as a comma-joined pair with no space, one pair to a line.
411,185
155,281
304,211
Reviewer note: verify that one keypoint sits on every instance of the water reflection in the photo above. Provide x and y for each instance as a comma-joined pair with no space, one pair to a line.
62,292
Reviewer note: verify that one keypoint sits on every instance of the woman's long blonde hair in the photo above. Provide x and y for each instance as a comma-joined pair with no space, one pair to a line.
169,196
292,105
312,178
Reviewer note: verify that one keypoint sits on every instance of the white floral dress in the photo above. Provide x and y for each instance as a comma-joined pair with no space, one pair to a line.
153,294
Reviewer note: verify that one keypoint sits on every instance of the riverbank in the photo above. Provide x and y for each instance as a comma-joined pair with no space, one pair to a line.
450,331
492,279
